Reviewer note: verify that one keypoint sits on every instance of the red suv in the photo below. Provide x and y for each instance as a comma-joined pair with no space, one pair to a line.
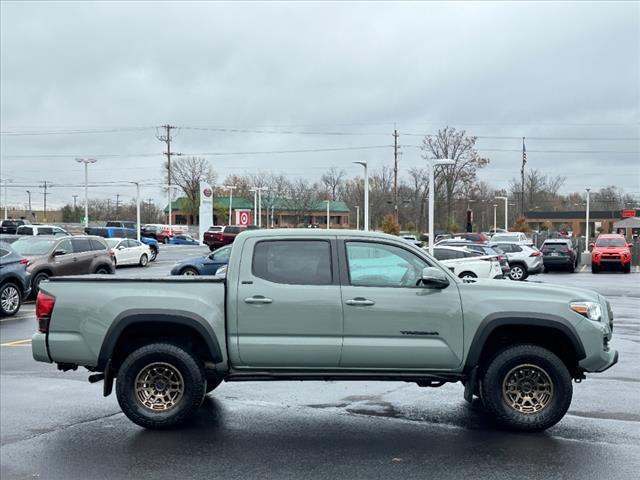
611,250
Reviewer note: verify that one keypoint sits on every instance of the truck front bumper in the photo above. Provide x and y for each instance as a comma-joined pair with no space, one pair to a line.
39,348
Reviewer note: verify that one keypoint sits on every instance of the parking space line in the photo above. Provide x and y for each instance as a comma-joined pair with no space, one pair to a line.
17,343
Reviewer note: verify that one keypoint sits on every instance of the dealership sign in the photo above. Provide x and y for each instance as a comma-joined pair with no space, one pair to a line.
628,213
205,212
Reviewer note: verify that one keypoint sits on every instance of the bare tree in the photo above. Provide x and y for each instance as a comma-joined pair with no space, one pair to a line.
300,200
186,173
454,180
332,180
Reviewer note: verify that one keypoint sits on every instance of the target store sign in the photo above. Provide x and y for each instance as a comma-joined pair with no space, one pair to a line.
243,217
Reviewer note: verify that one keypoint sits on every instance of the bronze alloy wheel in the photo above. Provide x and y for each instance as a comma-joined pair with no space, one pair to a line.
527,389
159,387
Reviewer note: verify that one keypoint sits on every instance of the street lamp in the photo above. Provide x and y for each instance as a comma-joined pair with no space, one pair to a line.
230,188
586,241
328,218
495,216
357,217
433,163
366,195
255,205
86,162
260,189
506,211
6,182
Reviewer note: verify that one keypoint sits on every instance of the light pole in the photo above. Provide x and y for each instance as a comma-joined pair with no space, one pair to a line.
230,188
260,205
366,195
137,210
328,218
29,193
433,163
357,217
586,241
86,162
6,182
506,211
255,205
495,217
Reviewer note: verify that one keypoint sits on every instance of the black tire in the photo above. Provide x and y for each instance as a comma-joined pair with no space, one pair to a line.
572,268
464,275
102,270
190,272
154,254
212,384
545,269
211,248
10,299
515,362
518,272
144,260
595,268
627,268
35,283
167,356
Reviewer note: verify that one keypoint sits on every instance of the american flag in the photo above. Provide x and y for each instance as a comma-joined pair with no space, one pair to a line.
524,155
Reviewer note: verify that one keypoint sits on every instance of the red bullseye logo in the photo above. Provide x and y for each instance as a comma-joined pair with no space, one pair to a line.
244,218
207,192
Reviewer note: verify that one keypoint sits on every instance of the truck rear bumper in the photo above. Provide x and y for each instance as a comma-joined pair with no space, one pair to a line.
39,348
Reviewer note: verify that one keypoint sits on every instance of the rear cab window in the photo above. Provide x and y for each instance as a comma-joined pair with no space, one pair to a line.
293,262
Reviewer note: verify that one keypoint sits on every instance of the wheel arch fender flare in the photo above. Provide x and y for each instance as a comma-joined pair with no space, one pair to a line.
148,316
519,319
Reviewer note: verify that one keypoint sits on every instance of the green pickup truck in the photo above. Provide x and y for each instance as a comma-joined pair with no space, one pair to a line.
326,305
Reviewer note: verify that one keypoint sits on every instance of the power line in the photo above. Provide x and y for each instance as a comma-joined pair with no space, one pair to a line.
74,132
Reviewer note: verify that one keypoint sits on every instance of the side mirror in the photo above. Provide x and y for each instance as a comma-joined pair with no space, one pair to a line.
59,252
434,278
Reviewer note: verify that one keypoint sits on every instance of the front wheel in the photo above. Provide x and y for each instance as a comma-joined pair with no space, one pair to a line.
517,272
154,254
189,272
144,260
527,387
595,268
467,275
627,268
40,277
10,299
160,385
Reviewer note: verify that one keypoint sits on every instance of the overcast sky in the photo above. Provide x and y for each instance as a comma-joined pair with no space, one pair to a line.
564,75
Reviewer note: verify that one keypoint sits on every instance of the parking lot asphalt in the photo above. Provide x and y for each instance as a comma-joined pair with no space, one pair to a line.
57,425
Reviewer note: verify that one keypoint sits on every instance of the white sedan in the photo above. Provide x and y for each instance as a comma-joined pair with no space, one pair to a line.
467,264
129,252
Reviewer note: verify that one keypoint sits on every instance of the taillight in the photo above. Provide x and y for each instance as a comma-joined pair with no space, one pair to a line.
112,252
26,262
535,254
44,307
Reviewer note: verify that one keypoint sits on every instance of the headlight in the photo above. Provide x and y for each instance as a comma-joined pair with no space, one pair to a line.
591,310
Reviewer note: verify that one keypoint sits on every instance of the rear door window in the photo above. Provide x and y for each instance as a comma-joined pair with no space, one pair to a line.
294,262
96,244
45,231
25,231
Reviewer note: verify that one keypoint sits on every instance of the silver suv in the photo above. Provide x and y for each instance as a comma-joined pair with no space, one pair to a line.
524,260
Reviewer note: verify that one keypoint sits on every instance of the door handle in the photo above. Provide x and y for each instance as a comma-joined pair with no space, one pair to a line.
258,300
360,302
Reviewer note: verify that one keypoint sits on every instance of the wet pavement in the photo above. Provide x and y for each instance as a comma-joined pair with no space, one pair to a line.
57,425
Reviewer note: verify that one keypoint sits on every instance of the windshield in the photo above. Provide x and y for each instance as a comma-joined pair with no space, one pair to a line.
611,242
33,246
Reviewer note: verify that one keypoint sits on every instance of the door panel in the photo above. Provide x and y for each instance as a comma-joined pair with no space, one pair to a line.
395,324
283,322
64,264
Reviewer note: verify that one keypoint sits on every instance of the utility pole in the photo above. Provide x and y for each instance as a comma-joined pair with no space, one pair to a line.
86,162
6,181
395,174
45,186
166,138
230,188
75,211
117,205
29,193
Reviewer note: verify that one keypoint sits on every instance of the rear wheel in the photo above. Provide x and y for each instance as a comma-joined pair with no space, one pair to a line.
160,385
467,275
189,272
10,299
144,260
527,387
102,270
517,272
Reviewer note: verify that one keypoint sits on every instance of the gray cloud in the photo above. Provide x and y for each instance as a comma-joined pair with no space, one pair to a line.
496,69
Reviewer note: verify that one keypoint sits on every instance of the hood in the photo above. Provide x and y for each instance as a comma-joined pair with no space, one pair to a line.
192,260
532,292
